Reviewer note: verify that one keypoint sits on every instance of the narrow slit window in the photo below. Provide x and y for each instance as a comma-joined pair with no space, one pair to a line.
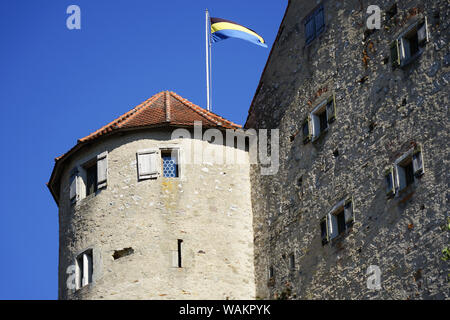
179,253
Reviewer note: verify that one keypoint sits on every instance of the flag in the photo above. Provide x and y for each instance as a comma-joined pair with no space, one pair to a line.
222,29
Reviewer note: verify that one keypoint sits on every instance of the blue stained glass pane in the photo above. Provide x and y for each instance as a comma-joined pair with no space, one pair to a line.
170,167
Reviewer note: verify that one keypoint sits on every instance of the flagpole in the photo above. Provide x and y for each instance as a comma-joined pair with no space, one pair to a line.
208,102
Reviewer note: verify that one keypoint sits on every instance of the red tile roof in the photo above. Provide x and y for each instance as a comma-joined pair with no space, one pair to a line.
163,109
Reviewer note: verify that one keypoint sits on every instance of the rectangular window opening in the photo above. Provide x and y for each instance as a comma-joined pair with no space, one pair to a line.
84,269
340,217
170,163
179,253
292,261
91,178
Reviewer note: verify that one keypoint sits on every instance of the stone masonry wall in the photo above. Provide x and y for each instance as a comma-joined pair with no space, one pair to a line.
208,208
381,113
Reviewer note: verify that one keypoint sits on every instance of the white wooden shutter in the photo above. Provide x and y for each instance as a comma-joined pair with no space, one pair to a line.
315,126
148,164
422,32
102,170
418,163
74,192
332,223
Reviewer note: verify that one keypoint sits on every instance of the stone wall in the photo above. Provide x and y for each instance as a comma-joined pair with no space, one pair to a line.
208,207
381,113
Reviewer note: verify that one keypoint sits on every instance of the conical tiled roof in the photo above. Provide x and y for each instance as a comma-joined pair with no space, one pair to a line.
164,108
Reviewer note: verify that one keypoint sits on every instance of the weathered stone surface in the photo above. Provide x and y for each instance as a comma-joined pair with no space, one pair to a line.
380,112
149,216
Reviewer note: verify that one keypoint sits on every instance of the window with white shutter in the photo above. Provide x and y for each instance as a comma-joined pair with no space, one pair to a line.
405,171
410,44
84,268
338,221
148,164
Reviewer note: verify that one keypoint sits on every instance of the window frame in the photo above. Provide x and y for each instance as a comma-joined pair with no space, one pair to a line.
312,17
170,150
331,220
87,265
399,57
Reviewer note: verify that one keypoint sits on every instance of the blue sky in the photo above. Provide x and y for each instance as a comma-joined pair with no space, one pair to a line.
58,85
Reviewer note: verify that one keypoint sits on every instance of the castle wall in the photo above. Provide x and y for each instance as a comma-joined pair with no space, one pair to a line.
208,207
380,114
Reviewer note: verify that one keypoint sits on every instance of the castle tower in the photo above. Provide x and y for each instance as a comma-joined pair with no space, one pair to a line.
359,207
140,218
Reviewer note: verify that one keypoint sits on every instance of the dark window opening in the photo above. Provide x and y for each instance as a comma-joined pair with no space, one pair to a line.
91,179
271,272
323,231
392,11
300,181
122,253
323,121
179,253
412,40
292,261
340,221
409,173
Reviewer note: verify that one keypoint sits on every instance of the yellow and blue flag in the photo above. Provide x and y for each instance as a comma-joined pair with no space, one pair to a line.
222,29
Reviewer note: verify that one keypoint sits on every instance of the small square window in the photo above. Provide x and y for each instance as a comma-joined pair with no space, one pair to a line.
405,171
338,221
170,166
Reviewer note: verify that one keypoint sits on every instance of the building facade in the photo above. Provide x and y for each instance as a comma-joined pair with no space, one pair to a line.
140,219
359,207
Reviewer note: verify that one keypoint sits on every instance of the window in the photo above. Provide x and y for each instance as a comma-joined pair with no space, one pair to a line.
319,120
324,231
338,221
179,252
292,262
271,272
410,44
314,24
392,11
169,160
84,269
90,177
404,172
